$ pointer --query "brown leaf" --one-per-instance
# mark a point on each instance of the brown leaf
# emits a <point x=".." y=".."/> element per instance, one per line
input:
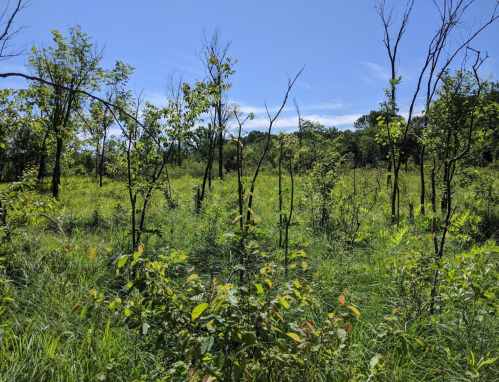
<point x="309" y="325"/>
<point x="341" y="299"/>
<point x="348" y="327"/>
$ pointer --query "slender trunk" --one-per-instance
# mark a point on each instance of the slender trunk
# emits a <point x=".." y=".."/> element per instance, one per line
<point x="133" y="200"/>
<point x="423" y="188"/>
<point x="433" y="187"/>
<point x="389" y="176"/>
<point x="280" y="198"/>
<point x="220" y="153"/>
<point x="394" y="194"/>
<point x="56" y="177"/>
<point x="102" y="161"/>
<point x="97" y="160"/>
<point x="239" y="176"/>
<point x="288" y="220"/>
<point x="398" y="205"/>
<point x="207" y="171"/>
<point x="443" y="202"/>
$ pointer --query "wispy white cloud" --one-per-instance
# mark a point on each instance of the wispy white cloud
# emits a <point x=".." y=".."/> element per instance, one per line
<point x="305" y="85"/>
<point x="246" y="108"/>
<point x="10" y="68"/>
<point x="291" y="123"/>
<point x="377" y="72"/>
<point x="157" y="99"/>
<point x="334" y="105"/>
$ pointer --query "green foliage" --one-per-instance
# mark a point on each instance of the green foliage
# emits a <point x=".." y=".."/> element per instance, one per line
<point x="18" y="206"/>
<point x="263" y="329"/>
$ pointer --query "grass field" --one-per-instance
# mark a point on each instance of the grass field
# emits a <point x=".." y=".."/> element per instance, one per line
<point x="386" y="274"/>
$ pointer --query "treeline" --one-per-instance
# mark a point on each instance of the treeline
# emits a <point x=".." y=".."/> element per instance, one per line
<point x="26" y="142"/>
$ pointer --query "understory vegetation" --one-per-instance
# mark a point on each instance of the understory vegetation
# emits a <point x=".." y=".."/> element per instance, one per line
<point x="148" y="243"/>
<point x="195" y="299"/>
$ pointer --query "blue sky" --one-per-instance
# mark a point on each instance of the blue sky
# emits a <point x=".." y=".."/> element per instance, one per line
<point x="339" y="40"/>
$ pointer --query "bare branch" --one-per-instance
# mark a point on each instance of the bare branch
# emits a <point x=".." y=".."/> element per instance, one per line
<point x="9" y="29"/>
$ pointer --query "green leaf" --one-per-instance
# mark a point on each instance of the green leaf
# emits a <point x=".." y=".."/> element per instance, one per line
<point x="284" y="303"/>
<point x="122" y="261"/>
<point x="487" y="362"/>
<point x="249" y="338"/>
<point x="145" y="328"/>
<point x="259" y="288"/>
<point x="206" y="345"/>
<point x="198" y="310"/>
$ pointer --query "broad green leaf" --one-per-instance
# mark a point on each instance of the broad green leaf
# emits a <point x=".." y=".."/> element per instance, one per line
<point x="198" y="310"/>
<point x="122" y="261"/>
<point x="249" y="338"/>
<point x="206" y="345"/>
<point x="259" y="288"/>
<point x="284" y="303"/>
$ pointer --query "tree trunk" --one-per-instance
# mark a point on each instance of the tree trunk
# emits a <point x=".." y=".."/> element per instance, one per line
<point x="97" y="160"/>
<point x="433" y="188"/>
<point x="444" y="201"/>
<point x="423" y="188"/>
<point x="394" y="194"/>
<point x="220" y="153"/>
<point x="101" y="169"/>
<point x="389" y="176"/>
<point x="56" y="177"/>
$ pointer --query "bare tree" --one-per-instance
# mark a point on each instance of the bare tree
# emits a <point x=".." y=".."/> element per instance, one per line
<point x="440" y="54"/>
<point x="9" y="28"/>
<point x="213" y="57"/>
<point x="174" y="82"/>
<point x="272" y="120"/>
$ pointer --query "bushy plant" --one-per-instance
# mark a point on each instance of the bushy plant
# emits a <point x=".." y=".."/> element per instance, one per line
<point x="265" y="328"/>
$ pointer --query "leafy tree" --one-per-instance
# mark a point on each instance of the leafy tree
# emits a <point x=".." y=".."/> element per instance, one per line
<point x="454" y="131"/>
<point x="74" y="64"/>
<point x="101" y="116"/>
<point x="147" y="145"/>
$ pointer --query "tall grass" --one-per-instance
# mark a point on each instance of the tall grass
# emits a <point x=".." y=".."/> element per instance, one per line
<point x="45" y="337"/>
